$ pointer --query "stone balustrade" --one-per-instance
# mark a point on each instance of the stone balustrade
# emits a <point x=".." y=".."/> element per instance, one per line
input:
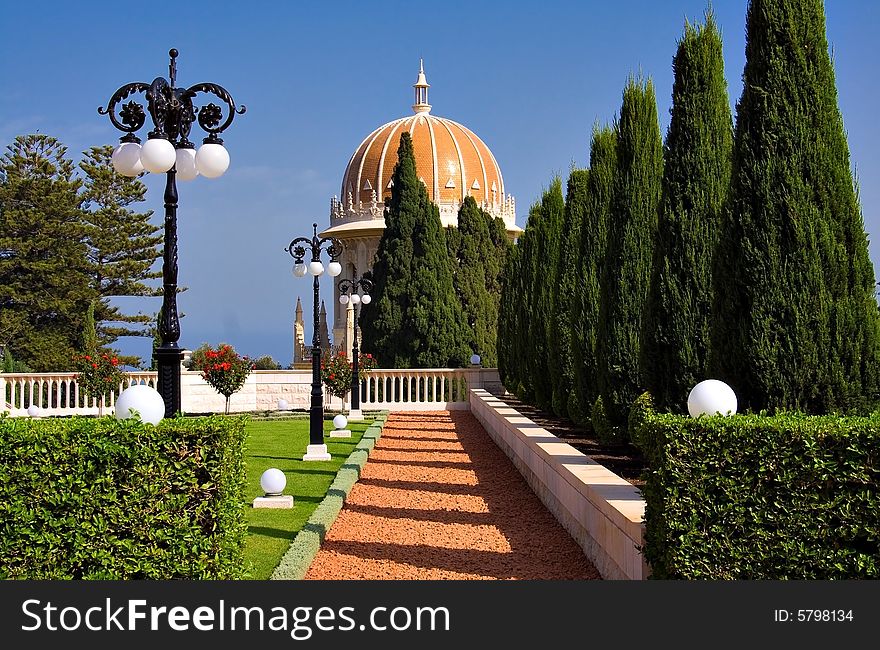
<point x="430" y="389"/>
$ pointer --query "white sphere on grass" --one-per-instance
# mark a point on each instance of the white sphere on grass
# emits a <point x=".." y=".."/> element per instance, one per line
<point x="212" y="160"/>
<point x="273" y="481"/>
<point x="158" y="155"/>
<point x="185" y="164"/>
<point x="126" y="159"/>
<point x="141" y="398"/>
<point x="33" y="411"/>
<point x="340" y="421"/>
<point x="711" y="397"/>
<point x="282" y="405"/>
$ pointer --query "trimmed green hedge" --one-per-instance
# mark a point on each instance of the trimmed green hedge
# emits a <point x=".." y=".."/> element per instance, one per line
<point x="97" y="498"/>
<point x="751" y="497"/>
<point x="307" y="543"/>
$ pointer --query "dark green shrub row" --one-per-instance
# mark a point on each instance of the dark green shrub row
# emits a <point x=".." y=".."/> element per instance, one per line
<point x="307" y="543"/>
<point x="97" y="498"/>
<point x="788" y="496"/>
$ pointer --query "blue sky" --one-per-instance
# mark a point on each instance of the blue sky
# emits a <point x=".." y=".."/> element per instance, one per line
<point x="530" y="79"/>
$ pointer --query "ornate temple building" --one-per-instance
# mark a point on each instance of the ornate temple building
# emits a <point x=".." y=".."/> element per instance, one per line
<point x="452" y="162"/>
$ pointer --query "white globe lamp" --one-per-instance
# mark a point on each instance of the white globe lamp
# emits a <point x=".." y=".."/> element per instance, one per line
<point x="185" y="164"/>
<point x="141" y="398"/>
<point x="316" y="268"/>
<point x="365" y="299"/>
<point x="475" y="359"/>
<point x="299" y="270"/>
<point x="212" y="160"/>
<point x="126" y="159"/>
<point x="711" y="397"/>
<point x="273" y="481"/>
<point x="355" y="299"/>
<point x="340" y="421"/>
<point x="158" y="155"/>
<point x="33" y="411"/>
<point x="343" y="299"/>
<point x="334" y="269"/>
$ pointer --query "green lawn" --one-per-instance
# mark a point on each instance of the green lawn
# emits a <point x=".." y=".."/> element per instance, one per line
<point x="282" y="444"/>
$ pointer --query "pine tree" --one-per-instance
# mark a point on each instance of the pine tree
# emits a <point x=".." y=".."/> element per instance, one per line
<point x="89" y="344"/>
<point x="696" y="180"/>
<point x="566" y="327"/>
<point x="594" y="238"/>
<point x="44" y="282"/>
<point x="627" y="271"/>
<point x="795" y="319"/>
<point x="414" y="320"/>
<point x="123" y="245"/>
<point x="477" y="260"/>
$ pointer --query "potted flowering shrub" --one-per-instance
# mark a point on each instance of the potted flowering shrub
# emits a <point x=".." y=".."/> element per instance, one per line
<point x="222" y="368"/>
<point x="98" y="376"/>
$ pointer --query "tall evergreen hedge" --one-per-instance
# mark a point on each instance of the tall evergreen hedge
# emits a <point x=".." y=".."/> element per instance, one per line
<point x="796" y="322"/>
<point x="696" y="180"/>
<point x="627" y="271"/>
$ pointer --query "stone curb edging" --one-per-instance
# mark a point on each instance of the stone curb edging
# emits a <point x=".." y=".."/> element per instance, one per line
<point x="603" y="512"/>
<point x="299" y="556"/>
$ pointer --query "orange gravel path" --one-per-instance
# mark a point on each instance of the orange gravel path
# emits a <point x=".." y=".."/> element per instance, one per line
<point x="438" y="499"/>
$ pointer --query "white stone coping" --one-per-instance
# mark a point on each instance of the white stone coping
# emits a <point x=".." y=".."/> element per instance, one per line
<point x="597" y="502"/>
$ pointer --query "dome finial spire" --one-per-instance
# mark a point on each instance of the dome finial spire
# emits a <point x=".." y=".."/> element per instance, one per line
<point x="421" y="87"/>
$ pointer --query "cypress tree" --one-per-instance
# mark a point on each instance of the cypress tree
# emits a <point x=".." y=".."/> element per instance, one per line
<point x="44" y="282"/>
<point x="519" y="298"/>
<point x="510" y="322"/>
<point x="627" y="272"/>
<point x="566" y="326"/>
<point x="594" y="238"/>
<point x="795" y="315"/>
<point x="546" y="220"/>
<point x="477" y="263"/>
<point x="696" y="180"/>
<point x="414" y="320"/>
<point x="123" y="245"/>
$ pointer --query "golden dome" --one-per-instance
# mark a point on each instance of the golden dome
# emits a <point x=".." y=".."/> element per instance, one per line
<point x="451" y="160"/>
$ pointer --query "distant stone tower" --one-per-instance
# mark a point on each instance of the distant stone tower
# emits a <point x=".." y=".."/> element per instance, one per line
<point x="299" y="335"/>
<point x="325" y="335"/>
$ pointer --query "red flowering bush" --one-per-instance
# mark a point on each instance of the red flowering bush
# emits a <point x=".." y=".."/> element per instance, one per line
<point x="98" y="375"/>
<point x="222" y="368"/>
<point x="336" y="374"/>
<point x="366" y="363"/>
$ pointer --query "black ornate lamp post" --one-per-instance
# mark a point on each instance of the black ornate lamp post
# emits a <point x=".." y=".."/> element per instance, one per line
<point x="317" y="449"/>
<point x="168" y="150"/>
<point x="348" y="290"/>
